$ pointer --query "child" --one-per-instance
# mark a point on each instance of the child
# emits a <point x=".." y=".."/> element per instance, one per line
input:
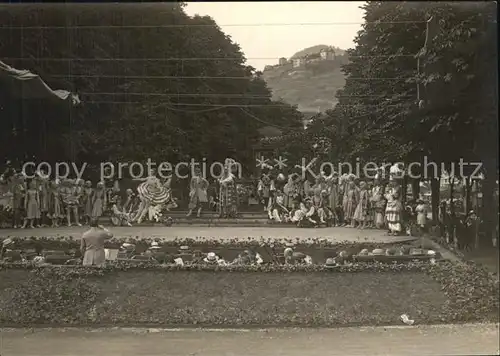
<point x="32" y="204"/>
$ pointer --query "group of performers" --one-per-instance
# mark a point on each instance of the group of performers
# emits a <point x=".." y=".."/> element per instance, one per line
<point x="332" y="200"/>
<point x="41" y="201"/>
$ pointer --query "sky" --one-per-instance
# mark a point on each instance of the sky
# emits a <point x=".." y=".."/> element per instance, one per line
<point x="264" y="44"/>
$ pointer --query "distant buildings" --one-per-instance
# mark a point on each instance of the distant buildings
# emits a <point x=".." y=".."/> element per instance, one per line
<point x="326" y="54"/>
<point x="298" y="62"/>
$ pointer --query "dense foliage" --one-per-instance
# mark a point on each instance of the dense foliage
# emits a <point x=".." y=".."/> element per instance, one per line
<point x="407" y="97"/>
<point x="151" y="71"/>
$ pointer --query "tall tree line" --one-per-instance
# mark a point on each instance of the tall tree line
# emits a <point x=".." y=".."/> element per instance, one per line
<point x="405" y="99"/>
<point x="146" y="119"/>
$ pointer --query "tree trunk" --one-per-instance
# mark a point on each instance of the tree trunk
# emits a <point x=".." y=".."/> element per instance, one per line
<point x="435" y="199"/>
<point x="467" y="195"/>
<point x="404" y="189"/>
<point x="489" y="210"/>
<point x="415" y="188"/>
<point x="452" y="200"/>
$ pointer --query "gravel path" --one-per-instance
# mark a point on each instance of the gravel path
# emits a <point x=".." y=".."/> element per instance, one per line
<point x="478" y="339"/>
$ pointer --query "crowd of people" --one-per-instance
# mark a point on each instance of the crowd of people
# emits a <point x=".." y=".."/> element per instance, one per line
<point x="328" y="200"/>
<point x="336" y="200"/>
<point x="44" y="201"/>
<point x="41" y="201"/>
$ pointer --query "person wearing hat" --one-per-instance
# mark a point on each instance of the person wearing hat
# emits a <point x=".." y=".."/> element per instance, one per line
<point x="92" y="244"/>
<point x="394" y="208"/>
<point x="279" y="212"/>
<point x="292" y="257"/>
<point x="422" y="210"/>
<point x="211" y="258"/>
<point x="5" y="243"/>
<point x="228" y="192"/>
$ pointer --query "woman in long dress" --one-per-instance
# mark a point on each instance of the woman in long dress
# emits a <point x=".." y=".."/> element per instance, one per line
<point x="291" y="192"/>
<point x="88" y="193"/>
<point x="32" y="204"/>
<point x="378" y="204"/>
<point x="361" y="213"/>
<point x="228" y="193"/>
<point x="394" y="208"/>
<point x="98" y="201"/>
<point x="18" y="194"/>
<point x="350" y="203"/>
<point x="198" y="193"/>
<point x="333" y="196"/>
<point x="55" y="203"/>
<point x="265" y="189"/>
<point x="151" y="193"/>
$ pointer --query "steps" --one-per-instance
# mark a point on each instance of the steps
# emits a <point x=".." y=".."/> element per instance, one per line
<point x="211" y="219"/>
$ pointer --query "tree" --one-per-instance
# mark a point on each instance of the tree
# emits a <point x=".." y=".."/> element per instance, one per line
<point x="388" y="117"/>
<point x="148" y="92"/>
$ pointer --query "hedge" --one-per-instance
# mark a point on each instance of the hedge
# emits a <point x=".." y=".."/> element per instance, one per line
<point x="69" y="242"/>
<point x="271" y="295"/>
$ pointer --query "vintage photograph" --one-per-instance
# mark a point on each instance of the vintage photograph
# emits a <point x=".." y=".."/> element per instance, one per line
<point x="249" y="178"/>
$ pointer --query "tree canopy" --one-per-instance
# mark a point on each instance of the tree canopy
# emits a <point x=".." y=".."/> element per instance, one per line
<point x="154" y="83"/>
<point x="421" y="81"/>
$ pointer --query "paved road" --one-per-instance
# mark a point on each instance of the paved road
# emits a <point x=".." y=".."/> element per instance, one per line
<point x="334" y="233"/>
<point x="424" y="340"/>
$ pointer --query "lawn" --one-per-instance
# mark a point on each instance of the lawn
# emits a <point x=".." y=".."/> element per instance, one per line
<point x="222" y="298"/>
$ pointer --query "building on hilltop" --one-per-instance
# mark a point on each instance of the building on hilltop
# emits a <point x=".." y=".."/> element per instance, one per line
<point x="283" y="61"/>
<point x="298" y="62"/>
<point x="315" y="57"/>
<point x="327" y="54"/>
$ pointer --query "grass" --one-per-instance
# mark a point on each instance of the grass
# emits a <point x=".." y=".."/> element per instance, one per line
<point x="229" y="299"/>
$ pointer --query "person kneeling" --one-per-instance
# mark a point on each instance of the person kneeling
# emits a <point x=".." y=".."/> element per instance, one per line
<point x="279" y="212"/>
<point x="306" y="215"/>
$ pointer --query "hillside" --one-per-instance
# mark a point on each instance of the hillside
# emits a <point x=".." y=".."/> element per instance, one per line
<point x="310" y="84"/>
<point x="315" y="49"/>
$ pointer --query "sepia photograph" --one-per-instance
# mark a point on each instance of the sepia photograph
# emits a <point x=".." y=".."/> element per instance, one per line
<point x="249" y="178"/>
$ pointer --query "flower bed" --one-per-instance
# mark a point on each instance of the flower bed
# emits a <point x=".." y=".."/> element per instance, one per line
<point x="356" y="294"/>
<point x="270" y="250"/>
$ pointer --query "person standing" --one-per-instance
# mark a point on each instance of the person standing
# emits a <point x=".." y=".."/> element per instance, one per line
<point x="198" y="193"/>
<point x="394" y="208"/>
<point x="92" y="244"/>
<point x="228" y="192"/>
<point x="32" y="205"/>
